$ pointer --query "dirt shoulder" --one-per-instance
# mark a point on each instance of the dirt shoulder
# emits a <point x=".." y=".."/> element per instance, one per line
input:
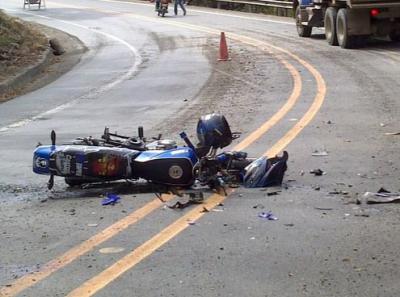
<point x="27" y="61"/>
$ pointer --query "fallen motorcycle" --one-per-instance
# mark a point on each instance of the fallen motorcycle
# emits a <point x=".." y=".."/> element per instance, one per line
<point x="159" y="161"/>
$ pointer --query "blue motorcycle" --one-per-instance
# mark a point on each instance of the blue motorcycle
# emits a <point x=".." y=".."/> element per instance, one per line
<point x="159" y="161"/>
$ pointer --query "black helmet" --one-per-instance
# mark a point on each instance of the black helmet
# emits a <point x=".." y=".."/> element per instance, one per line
<point x="213" y="131"/>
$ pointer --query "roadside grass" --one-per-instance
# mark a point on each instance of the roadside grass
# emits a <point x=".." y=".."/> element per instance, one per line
<point x="21" y="45"/>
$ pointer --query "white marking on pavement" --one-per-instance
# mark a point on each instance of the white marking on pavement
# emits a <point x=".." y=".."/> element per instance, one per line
<point x="91" y="93"/>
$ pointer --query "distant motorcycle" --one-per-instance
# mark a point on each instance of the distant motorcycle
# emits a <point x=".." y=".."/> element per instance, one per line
<point x="159" y="161"/>
<point x="162" y="8"/>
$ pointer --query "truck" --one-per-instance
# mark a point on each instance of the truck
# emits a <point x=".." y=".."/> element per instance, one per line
<point x="348" y="23"/>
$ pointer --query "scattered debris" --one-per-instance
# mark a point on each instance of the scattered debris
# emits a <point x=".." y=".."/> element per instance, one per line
<point x="92" y="225"/>
<point x="111" y="250"/>
<point x="204" y="210"/>
<point x="340" y="192"/>
<point x="111" y="199"/>
<point x="217" y="210"/>
<point x="183" y="204"/>
<point x="273" y="193"/>
<point x="260" y="206"/>
<point x="381" y="197"/>
<point x="392" y="133"/>
<point x="383" y="190"/>
<point x="317" y="153"/>
<point x="289" y="225"/>
<point x="180" y="205"/>
<point x="323" y="208"/>
<point x="267" y="215"/>
<point x="317" y="172"/>
<point x="362" y="215"/>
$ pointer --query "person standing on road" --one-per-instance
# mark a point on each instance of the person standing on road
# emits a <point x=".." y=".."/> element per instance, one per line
<point x="180" y="2"/>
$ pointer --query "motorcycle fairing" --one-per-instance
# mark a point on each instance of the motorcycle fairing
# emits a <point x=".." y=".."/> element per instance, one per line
<point x="84" y="161"/>
<point x="41" y="159"/>
<point x="171" y="167"/>
<point x="265" y="172"/>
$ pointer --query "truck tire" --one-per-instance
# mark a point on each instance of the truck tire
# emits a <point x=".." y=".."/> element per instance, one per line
<point x="330" y="26"/>
<point x="303" y="31"/>
<point x="342" y="31"/>
<point x="394" y="36"/>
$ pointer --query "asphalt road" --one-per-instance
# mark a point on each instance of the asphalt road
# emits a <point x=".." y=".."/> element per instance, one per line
<point x="297" y="94"/>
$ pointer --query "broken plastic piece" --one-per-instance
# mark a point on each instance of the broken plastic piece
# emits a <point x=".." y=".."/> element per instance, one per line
<point x="373" y="198"/>
<point x="317" y="172"/>
<point x="319" y="153"/>
<point x="111" y="199"/>
<point x="267" y="215"/>
<point x="266" y="172"/>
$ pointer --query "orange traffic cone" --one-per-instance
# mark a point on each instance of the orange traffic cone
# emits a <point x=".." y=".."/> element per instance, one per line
<point x="223" y="49"/>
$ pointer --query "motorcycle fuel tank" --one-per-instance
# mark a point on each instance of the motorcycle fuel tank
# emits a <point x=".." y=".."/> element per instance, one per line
<point x="171" y="167"/>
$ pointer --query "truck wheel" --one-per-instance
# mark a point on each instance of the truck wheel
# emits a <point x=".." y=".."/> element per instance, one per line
<point x="330" y="26"/>
<point x="303" y="31"/>
<point x="344" y="39"/>
<point x="394" y="36"/>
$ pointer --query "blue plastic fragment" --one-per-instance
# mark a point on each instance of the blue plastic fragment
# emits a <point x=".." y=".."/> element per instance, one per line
<point x="111" y="199"/>
<point x="267" y="215"/>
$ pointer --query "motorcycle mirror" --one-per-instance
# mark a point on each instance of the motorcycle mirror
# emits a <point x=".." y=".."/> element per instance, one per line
<point x="50" y="183"/>
<point x="53" y="137"/>
<point x="140" y="132"/>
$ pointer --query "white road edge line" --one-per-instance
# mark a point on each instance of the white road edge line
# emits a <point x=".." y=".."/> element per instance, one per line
<point x="210" y="12"/>
<point x="102" y="89"/>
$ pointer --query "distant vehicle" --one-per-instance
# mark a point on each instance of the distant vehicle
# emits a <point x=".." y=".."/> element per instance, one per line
<point x="163" y="7"/>
<point x="348" y="23"/>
